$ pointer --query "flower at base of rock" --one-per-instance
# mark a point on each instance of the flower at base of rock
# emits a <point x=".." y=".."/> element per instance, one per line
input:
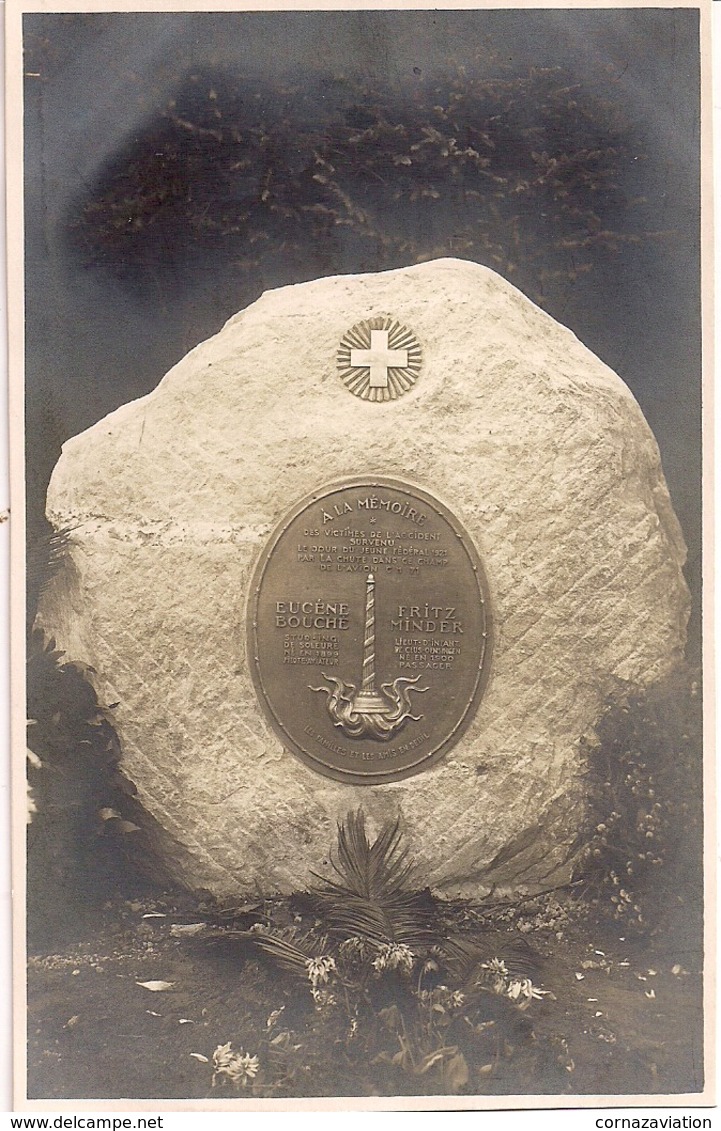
<point x="394" y="956"/>
<point x="444" y="997"/>
<point x="496" y="966"/>
<point x="319" y="969"/>
<point x="497" y="974"/>
<point x="523" y="991"/>
<point x="237" y="1067"/>
<point x="322" y="998"/>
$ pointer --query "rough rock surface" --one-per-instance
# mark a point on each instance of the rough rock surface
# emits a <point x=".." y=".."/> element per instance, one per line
<point x="544" y="456"/>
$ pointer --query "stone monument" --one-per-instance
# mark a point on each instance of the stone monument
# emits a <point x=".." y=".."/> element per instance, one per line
<point x="387" y="541"/>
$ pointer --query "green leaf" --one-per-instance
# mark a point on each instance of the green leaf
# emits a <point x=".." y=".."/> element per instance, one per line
<point x="455" y="1073"/>
<point x="391" y="1018"/>
<point x="288" y="948"/>
<point x="434" y="1058"/>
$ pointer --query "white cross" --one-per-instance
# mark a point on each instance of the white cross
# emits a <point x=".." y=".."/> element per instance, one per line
<point x="380" y="359"/>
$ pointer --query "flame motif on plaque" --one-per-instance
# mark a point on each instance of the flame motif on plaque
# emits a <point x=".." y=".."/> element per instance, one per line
<point x="366" y="713"/>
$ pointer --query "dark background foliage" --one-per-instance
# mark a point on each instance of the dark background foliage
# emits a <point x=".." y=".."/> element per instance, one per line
<point x="643" y="833"/>
<point x="179" y="164"/>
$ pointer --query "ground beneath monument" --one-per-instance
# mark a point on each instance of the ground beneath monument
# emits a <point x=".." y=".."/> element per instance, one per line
<point x="137" y="1005"/>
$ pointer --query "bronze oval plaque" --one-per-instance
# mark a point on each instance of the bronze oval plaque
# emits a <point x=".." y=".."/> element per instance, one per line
<point x="369" y="630"/>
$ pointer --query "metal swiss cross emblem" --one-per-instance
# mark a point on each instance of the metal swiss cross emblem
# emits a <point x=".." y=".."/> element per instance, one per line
<point x="379" y="359"/>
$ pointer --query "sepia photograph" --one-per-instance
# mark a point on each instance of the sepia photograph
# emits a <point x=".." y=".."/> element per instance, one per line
<point x="359" y="400"/>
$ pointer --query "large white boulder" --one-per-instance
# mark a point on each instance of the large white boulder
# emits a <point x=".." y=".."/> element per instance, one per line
<point x="548" y="464"/>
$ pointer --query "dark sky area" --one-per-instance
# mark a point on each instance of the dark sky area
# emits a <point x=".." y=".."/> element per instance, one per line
<point x="206" y="128"/>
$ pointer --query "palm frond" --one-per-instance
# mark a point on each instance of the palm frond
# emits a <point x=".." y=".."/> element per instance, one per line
<point x="372" y="896"/>
<point x="43" y="650"/>
<point x="464" y="957"/>
<point x="44" y="558"/>
<point x="288" y="948"/>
